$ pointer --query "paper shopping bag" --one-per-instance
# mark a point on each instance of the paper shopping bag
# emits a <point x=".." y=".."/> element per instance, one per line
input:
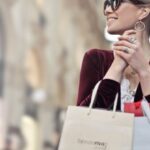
<point x="142" y="129"/>
<point x="95" y="129"/>
<point x="141" y="134"/>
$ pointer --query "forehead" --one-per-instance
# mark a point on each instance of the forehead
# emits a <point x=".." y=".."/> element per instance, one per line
<point x="114" y="0"/>
<point x="117" y="3"/>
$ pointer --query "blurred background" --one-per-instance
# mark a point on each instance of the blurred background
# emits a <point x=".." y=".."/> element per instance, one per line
<point x="42" y="43"/>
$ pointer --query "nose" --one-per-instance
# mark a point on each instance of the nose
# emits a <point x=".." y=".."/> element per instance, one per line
<point x="108" y="10"/>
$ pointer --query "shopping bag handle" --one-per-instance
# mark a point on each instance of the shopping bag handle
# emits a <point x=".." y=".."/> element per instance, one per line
<point x="93" y="98"/>
<point x="146" y="108"/>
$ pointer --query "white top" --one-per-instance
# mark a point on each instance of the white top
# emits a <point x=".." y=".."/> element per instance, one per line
<point x="126" y="94"/>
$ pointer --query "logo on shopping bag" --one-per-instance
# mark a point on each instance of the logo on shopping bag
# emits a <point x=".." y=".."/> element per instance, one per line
<point x="97" y="145"/>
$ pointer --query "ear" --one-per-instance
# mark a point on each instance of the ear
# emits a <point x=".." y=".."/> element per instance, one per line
<point x="145" y="12"/>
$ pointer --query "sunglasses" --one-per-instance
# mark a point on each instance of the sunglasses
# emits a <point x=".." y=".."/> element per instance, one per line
<point x="116" y="3"/>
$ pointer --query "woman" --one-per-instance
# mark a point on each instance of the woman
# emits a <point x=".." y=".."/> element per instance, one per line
<point x="126" y="69"/>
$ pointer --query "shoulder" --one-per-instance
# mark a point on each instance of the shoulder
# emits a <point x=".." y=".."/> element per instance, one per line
<point x="105" y="56"/>
<point x="99" y="52"/>
<point x="97" y="60"/>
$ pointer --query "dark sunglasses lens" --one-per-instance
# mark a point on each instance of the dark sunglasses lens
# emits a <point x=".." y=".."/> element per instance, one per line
<point x="113" y="3"/>
<point x="106" y="4"/>
<point x="116" y="4"/>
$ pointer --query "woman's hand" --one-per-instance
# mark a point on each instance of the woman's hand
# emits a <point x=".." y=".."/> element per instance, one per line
<point x="119" y="60"/>
<point x="119" y="64"/>
<point x="130" y="49"/>
<point x="136" y="55"/>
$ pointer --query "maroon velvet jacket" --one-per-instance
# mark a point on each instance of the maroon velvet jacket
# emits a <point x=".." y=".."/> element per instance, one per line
<point x="94" y="67"/>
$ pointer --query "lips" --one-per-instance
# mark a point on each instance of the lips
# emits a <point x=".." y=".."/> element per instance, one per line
<point x="111" y="19"/>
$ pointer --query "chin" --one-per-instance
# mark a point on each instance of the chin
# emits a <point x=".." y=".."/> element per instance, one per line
<point x="119" y="32"/>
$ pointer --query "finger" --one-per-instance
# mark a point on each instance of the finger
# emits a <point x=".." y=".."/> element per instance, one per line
<point x="129" y="32"/>
<point x="126" y="44"/>
<point x="123" y="49"/>
<point x="124" y="37"/>
<point x="130" y="39"/>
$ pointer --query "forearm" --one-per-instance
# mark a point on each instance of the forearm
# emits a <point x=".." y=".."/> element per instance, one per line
<point x="105" y="95"/>
<point x="115" y="72"/>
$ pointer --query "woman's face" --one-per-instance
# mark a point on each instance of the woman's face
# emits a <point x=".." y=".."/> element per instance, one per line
<point x="124" y="18"/>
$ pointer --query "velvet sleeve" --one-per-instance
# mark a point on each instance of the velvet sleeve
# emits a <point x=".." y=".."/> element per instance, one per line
<point x="93" y="69"/>
<point x="147" y="98"/>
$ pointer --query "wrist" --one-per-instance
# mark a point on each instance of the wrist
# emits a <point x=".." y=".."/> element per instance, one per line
<point x="118" y="67"/>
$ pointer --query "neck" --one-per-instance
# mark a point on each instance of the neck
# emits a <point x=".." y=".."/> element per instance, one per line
<point x="145" y="43"/>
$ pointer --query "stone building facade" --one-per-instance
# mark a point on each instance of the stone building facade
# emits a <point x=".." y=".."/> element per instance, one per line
<point x="42" y="44"/>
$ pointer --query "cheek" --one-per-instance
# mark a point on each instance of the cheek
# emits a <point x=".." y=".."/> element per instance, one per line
<point x="127" y="15"/>
<point x="127" y="20"/>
